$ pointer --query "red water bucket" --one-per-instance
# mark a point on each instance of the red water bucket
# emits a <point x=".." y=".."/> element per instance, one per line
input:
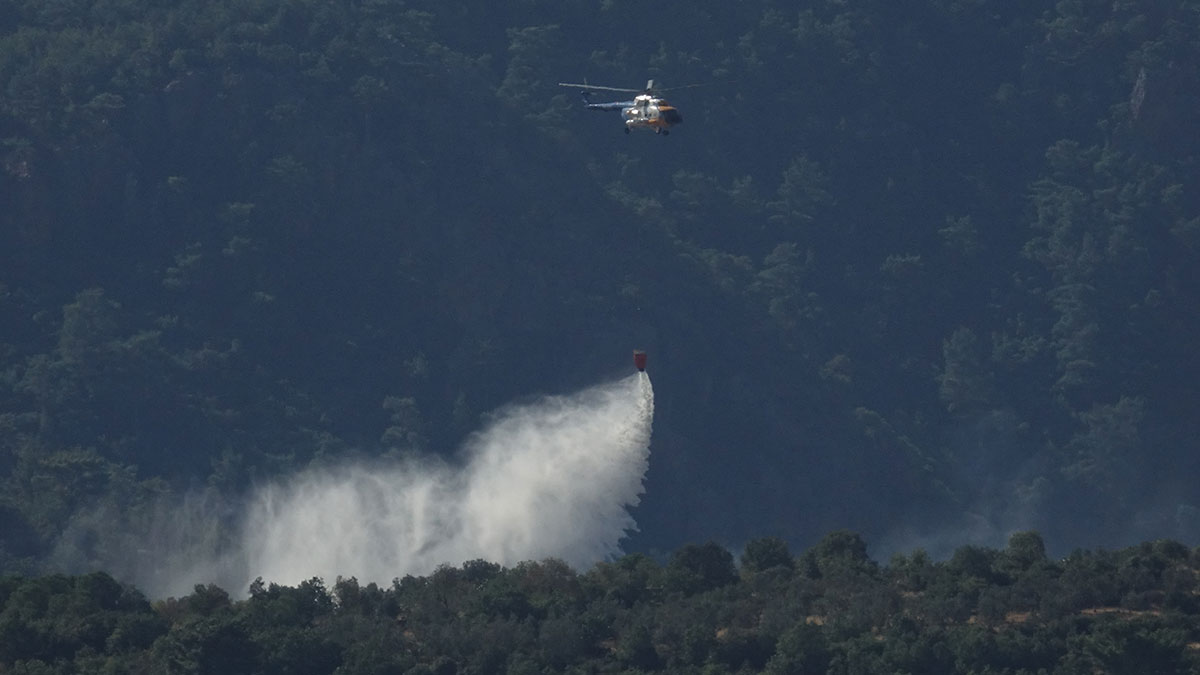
<point x="639" y="359"/>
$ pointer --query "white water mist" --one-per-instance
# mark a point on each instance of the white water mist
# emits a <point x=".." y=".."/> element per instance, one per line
<point x="553" y="478"/>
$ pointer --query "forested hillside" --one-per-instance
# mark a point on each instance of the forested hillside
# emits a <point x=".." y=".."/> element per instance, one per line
<point x="922" y="270"/>
<point x="830" y="610"/>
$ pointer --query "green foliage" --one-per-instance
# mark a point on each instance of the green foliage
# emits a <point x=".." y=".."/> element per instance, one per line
<point x="240" y="238"/>
<point x="766" y="553"/>
<point x="776" y="623"/>
<point x="699" y="568"/>
<point x="60" y="620"/>
<point x="839" y="553"/>
<point x="964" y="382"/>
<point x="629" y="580"/>
<point x="802" y="649"/>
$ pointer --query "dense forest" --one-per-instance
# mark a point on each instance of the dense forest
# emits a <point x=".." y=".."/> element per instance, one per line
<point x="830" y="610"/>
<point x="918" y="270"/>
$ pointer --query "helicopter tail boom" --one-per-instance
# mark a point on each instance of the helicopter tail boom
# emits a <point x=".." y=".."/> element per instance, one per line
<point x="608" y="106"/>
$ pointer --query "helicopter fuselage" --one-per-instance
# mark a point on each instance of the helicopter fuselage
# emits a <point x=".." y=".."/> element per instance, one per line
<point x="651" y="112"/>
<point x="647" y="110"/>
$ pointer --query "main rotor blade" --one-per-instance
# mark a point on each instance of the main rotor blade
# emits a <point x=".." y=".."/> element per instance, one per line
<point x="598" y="88"/>
<point x="693" y="86"/>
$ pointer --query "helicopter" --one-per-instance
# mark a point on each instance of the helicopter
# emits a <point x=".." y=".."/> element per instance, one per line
<point x="647" y="110"/>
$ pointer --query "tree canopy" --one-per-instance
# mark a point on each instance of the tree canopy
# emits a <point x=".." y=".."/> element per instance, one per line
<point x="1037" y="616"/>
<point x="909" y="269"/>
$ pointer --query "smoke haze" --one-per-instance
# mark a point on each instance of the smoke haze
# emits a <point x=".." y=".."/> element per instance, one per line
<point x="552" y="478"/>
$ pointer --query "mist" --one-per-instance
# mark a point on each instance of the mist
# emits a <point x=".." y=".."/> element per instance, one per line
<point x="551" y="478"/>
